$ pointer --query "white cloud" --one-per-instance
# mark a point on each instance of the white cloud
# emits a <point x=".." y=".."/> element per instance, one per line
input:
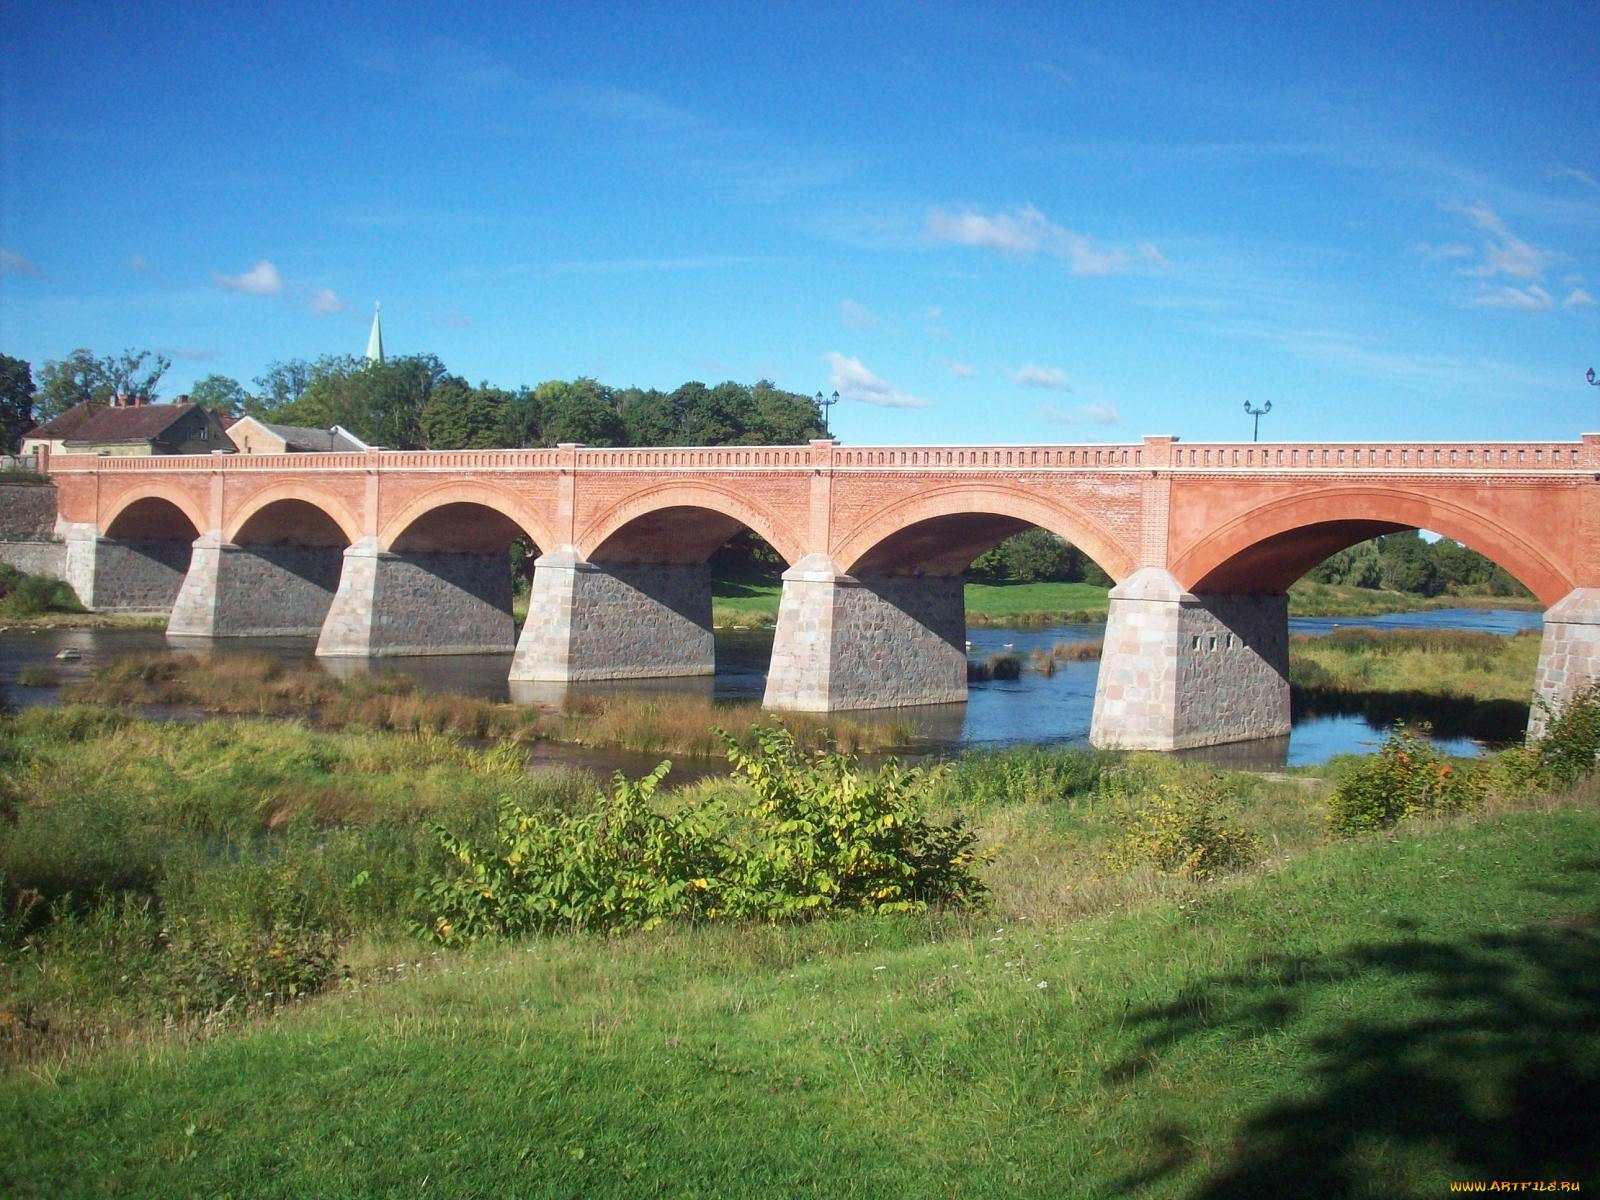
<point x="325" y="301"/>
<point x="858" y="316"/>
<point x="1529" y="299"/>
<point x="15" y="264"/>
<point x="1034" y="376"/>
<point x="1504" y="253"/>
<point x="1577" y="176"/>
<point x="194" y="353"/>
<point x="853" y="381"/>
<point x="1084" y="414"/>
<point x="1023" y="233"/>
<point x="960" y="370"/>
<point x="1578" y="298"/>
<point x="260" y="280"/>
<point x="1027" y="231"/>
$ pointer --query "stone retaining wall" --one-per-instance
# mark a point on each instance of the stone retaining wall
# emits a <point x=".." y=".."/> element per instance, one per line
<point x="1569" y="654"/>
<point x="27" y="512"/>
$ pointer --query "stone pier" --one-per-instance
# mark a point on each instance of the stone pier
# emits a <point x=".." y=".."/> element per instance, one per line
<point x="116" y="575"/>
<point x="1569" y="654"/>
<point x="877" y="641"/>
<point x="590" y="621"/>
<point x="419" y="602"/>
<point x="1181" y="670"/>
<point x="255" y="590"/>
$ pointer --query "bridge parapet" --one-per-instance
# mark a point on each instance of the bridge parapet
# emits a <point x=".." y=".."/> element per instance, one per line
<point x="1392" y="456"/>
<point x="1154" y="453"/>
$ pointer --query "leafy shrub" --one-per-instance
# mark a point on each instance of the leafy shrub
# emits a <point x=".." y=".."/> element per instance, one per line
<point x="1564" y="754"/>
<point x="211" y="966"/>
<point x="828" y="835"/>
<point x="808" y="834"/>
<point x="32" y="595"/>
<point x="1407" y="777"/>
<point x="1188" y="829"/>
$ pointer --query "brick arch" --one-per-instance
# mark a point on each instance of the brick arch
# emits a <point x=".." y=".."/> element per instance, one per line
<point x="1014" y="505"/>
<point x="176" y="497"/>
<point x="504" y="501"/>
<point x="331" y="505"/>
<point x="725" y="502"/>
<point x="1270" y="546"/>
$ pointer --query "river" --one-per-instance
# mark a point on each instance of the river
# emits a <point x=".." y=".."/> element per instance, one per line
<point x="1041" y="709"/>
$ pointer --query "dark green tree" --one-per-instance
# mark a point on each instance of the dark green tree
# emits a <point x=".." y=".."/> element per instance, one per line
<point x="580" y="411"/>
<point x="68" y="382"/>
<point x="458" y="417"/>
<point x="220" y="394"/>
<point x="135" y="374"/>
<point x="16" y="400"/>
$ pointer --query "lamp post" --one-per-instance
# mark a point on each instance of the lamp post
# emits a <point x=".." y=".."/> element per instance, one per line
<point x="1257" y="413"/>
<point x="1593" y="382"/>
<point x="823" y="405"/>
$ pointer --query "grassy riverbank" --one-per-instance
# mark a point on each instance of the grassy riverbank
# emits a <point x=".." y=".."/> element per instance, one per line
<point x="1375" y="1017"/>
<point x="754" y="604"/>
<point x="259" y="685"/>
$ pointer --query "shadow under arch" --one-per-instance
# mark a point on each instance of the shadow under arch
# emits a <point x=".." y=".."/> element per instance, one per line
<point x="682" y="522"/>
<point x="412" y="523"/>
<point x="1265" y="549"/>
<point x="940" y="532"/>
<point x="331" y="506"/>
<point x="143" y="512"/>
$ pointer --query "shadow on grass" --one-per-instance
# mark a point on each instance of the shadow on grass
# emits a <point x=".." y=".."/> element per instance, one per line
<point x="1489" y="1066"/>
<point x="1496" y="721"/>
<point x="735" y="589"/>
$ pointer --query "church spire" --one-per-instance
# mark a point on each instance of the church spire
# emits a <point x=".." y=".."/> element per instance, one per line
<point x="375" y="338"/>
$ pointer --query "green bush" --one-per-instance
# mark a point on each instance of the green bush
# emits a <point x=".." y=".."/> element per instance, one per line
<point x="1190" y="830"/>
<point x="1566" y="753"/>
<point x="1406" y="778"/>
<point x="31" y="595"/>
<point x="807" y="834"/>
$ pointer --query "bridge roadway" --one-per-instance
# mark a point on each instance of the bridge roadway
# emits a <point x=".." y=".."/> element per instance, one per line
<point x="405" y="553"/>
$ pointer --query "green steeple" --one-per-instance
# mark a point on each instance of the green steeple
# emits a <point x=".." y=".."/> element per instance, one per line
<point x="375" y="338"/>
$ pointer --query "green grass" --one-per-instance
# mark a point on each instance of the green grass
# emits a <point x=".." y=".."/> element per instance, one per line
<point x="1373" y="1019"/>
<point x="755" y="602"/>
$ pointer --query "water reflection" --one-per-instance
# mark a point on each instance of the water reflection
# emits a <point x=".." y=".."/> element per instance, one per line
<point x="1035" y="709"/>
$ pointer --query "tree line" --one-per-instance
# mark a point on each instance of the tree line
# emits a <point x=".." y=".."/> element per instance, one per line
<point x="415" y="403"/>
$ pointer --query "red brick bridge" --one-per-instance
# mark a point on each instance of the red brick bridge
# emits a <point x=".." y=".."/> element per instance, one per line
<point x="405" y="553"/>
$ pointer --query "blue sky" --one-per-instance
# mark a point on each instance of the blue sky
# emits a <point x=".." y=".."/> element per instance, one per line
<point x="1030" y="223"/>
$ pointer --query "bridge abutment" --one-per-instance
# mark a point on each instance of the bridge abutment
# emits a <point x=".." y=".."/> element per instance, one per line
<point x="589" y="621"/>
<point x="1181" y="670"/>
<point x="113" y="575"/>
<point x="1569" y="655"/>
<point x="418" y="602"/>
<point x="877" y="641"/>
<point x="255" y="591"/>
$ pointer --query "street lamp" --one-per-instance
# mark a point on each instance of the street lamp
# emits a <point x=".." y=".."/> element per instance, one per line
<point x="1257" y="414"/>
<point x="1593" y="382"/>
<point x="823" y="405"/>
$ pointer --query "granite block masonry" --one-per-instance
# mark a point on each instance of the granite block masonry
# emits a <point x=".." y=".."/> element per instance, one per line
<point x="1180" y="670"/>
<point x="419" y="603"/>
<point x="123" y="576"/>
<point x="255" y="591"/>
<point x="590" y="621"/>
<point x="1569" y="655"/>
<point x="878" y="641"/>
